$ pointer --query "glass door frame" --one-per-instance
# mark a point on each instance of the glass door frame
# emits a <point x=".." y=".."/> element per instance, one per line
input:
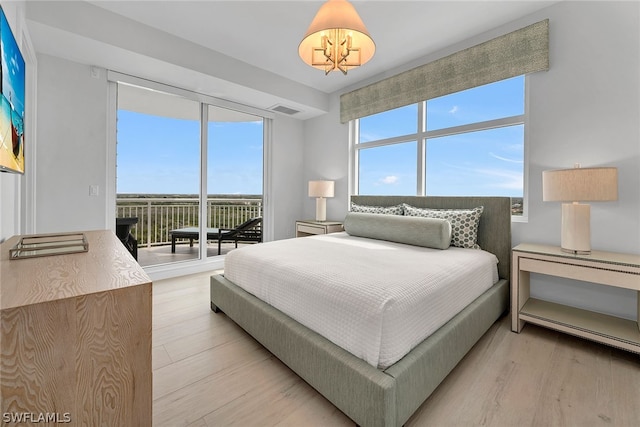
<point x="203" y="263"/>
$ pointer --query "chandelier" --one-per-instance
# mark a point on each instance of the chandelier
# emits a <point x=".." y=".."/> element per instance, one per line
<point x="336" y="39"/>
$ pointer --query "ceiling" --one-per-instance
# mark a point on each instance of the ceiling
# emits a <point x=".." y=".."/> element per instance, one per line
<point x="265" y="34"/>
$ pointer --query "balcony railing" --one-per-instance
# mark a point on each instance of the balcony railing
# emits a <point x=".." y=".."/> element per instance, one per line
<point x="157" y="216"/>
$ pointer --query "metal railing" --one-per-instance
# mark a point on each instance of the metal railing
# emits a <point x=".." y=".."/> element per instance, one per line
<point x="157" y="216"/>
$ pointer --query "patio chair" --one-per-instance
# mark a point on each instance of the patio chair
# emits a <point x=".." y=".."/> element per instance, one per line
<point x="248" y="231"/>
<point x="123" y="231"/>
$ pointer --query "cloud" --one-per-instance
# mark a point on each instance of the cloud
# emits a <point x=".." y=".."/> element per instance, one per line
<point x="513" y="148"/>
<point x="505" y="159"/>
<point x="390" y="179"/>
<point x="14" y="65"/>
<point x="485" y="177"/>
<point x="454" y="109"/>
<point x="505" y="178"/>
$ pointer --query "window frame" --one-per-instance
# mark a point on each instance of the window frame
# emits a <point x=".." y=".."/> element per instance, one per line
<point x="422" y="136"/>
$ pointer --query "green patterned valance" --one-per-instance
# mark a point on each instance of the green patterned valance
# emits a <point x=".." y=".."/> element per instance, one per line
<point x="520" y="52"/>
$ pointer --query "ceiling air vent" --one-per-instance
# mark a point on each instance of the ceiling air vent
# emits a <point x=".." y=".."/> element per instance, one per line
<point x="284" y="110"/>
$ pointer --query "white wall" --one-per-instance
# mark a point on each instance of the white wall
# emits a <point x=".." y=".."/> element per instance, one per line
<point x="585" y="109"/>
<point x="326" y="154"/>
<point x="71" y="156"/>
<point x="287" y="175"/>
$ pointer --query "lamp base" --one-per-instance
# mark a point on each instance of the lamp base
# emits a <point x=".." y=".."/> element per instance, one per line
<point x="575" y="252"/>
<point x="321" y="209"/>
<point x="576" y="229"/>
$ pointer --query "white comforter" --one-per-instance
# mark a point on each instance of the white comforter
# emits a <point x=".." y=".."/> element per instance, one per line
<point x="375" y="299"/>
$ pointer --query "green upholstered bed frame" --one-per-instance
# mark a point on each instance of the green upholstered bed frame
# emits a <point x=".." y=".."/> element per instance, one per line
<point x="369" y="396"/>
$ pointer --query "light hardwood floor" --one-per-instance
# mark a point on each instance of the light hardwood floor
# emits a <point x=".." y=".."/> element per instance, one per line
<point x="162" y="254"/>
<point x="208" y="372"/>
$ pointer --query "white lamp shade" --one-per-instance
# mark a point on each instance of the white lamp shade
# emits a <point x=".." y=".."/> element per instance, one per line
<point x="580" y="185"/>
<point x="321" y="188"/>
<point x="336" y="14"/>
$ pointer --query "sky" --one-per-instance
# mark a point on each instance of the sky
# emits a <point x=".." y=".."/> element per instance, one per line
<point x="13" y="74"/>
<point x="158" y="155"/>
<point x="12" y="99"/>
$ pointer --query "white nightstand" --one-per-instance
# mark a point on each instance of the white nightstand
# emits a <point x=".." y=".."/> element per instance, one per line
<point x="311" y="227"/>
<point x="605" y="268"/>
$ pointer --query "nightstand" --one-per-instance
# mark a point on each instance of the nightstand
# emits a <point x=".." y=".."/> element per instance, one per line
<point x="311" y="227"/>
<point x="604" y="268"/>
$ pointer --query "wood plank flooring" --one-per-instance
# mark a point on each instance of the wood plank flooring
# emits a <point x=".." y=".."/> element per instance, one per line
<point x="208" y="372"/>
<point x="156" y="255"/>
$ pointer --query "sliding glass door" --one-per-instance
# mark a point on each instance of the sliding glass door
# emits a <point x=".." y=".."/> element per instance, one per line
<point x="158" y="173"/>
<point x="234" y="177"/>
<point x="172" y="151"/>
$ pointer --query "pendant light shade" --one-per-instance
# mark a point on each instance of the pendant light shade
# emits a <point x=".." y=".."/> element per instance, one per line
<point x="336" y="39"/>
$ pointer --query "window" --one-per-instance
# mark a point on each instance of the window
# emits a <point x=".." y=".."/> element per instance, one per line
<point x="469" y="143"/>
<point x="388" y="169"/>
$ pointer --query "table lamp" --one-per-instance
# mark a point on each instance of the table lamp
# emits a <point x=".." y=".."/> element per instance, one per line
<point x="321" y="190"/>
<point x="574" y="186"/>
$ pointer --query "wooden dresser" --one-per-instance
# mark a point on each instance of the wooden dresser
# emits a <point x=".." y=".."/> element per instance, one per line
<point x="75" y="337"/>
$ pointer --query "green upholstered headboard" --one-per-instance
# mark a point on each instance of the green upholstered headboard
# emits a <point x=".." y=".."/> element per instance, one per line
<point x="494" y="230"/>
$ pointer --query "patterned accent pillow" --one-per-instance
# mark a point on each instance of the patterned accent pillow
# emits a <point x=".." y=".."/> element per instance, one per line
<point x="464" y="223"/>
<point x="389" y="210"/>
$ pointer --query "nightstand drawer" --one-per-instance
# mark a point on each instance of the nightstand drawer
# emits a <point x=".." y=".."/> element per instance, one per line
<point x="599" y="275"/>
<point x="309" y="229"/>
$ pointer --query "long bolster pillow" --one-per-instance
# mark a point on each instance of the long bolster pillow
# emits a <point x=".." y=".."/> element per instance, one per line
<point x="412" y="230"/>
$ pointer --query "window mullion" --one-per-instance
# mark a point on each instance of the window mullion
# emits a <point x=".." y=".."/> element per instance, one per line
<point x="203" y="218"/>
<point x="421" y="143"/>
<point x="473" y="127"/>
<point x="354" y="135"/>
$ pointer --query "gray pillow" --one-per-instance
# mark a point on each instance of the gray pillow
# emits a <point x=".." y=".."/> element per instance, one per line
<point x="427" y="232"/>
<point x="464" y="223"/>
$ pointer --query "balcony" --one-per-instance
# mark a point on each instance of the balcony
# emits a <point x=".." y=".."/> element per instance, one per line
<point x="158" y="215"/>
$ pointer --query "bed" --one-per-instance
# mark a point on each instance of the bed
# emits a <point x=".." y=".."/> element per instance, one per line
<point x="369" y="395"/>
